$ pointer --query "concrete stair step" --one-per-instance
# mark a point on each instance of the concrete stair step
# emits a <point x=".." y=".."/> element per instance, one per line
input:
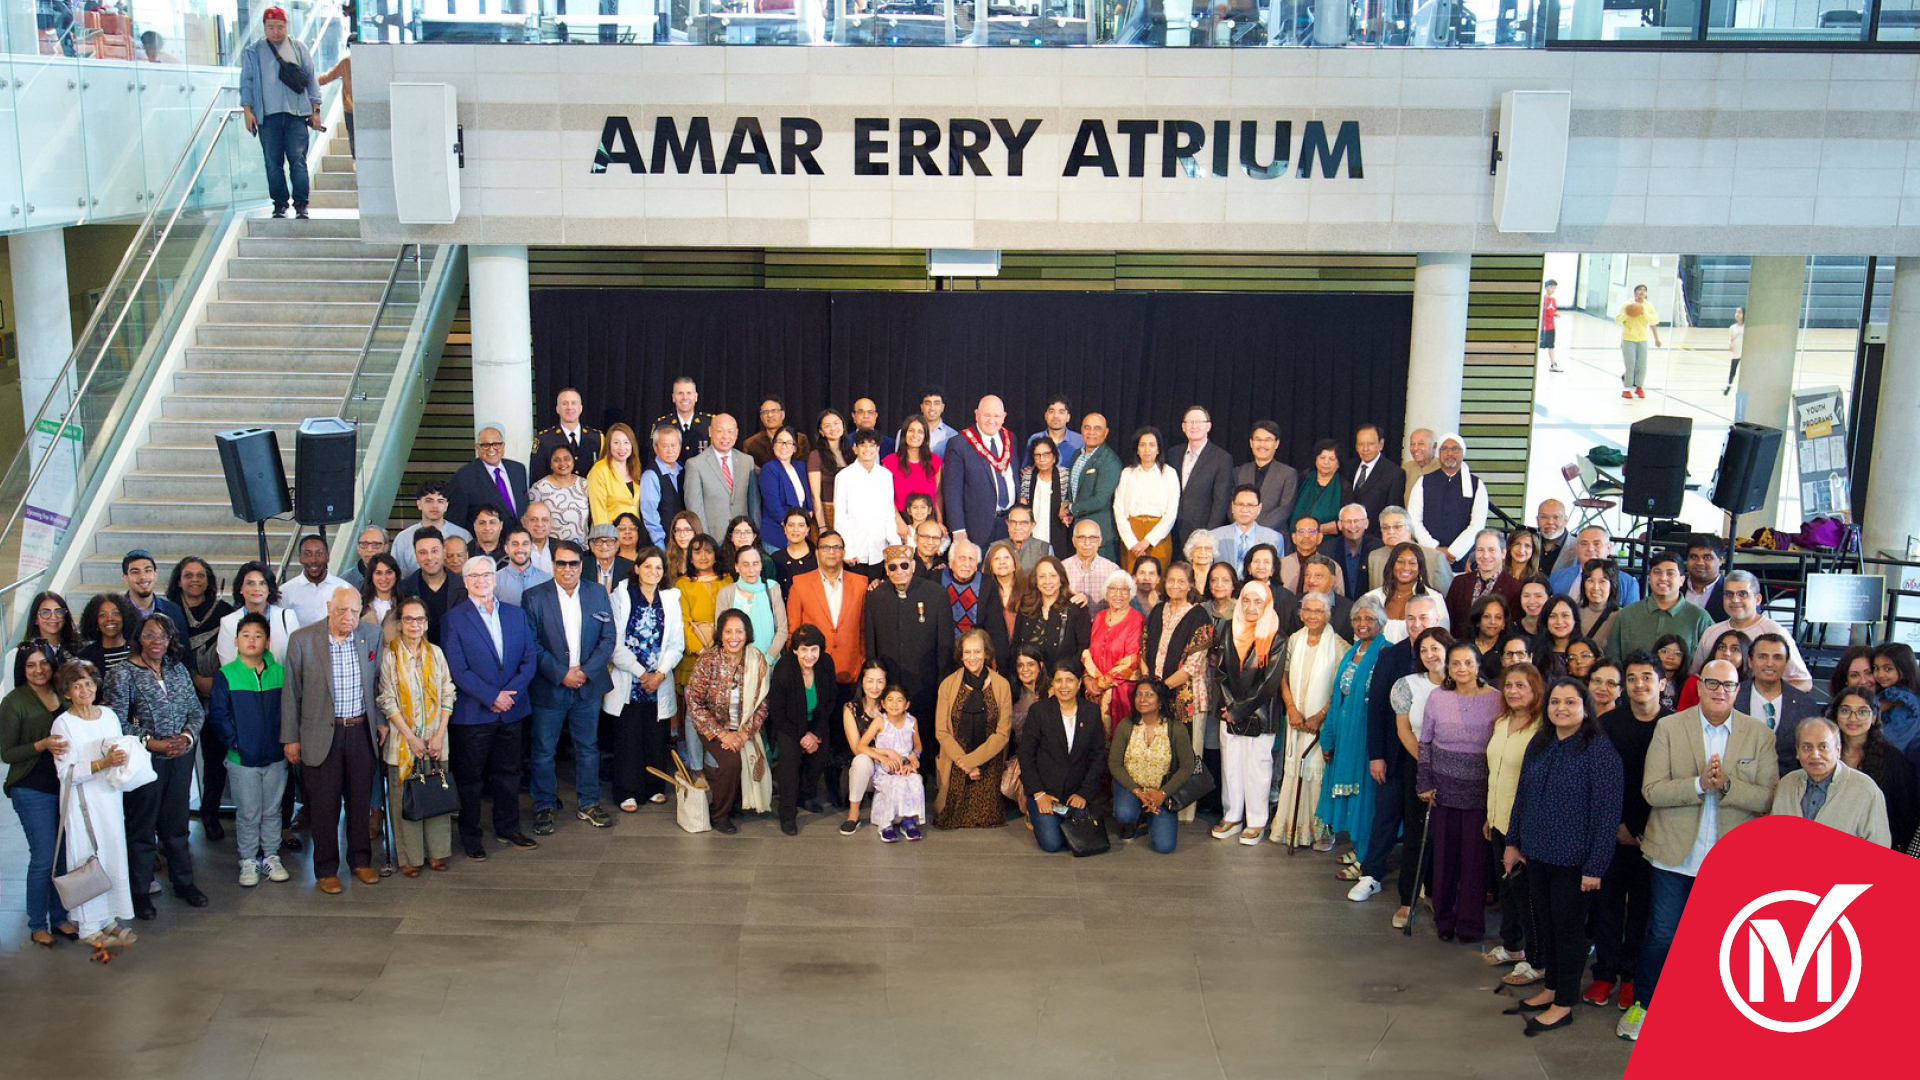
<point x="312" y="228"/>
<point x="307" y="312"/>
<point x="298" y="337"/>
<point x="321" y="247"/>
<point x="366" y="268"/>
<point x="182" y="516"/>
<point x="184" y="485"/>
<point x="199" y="455"/>
<point x="236" y="541"/>
<point x="335" y="200"/>
<point x="254" y="385"/>
<point x="335" y="181"/>
<point x="309" y="292"/>
<point x="321" y="361"/>
<point x="296" y="402"/>
<point x="341" y="162"/>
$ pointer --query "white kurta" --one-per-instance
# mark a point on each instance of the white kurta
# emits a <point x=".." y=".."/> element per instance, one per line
<point x="103" y="804"/>
<point x="1310" y="674"/>
<point x="863" y="512"/>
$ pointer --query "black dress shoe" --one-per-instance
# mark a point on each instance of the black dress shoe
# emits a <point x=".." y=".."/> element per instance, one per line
<point x="725" y="825"/>
<point x="193" y="896"/>
<point x="791" y="828"/>
<point x="520" y="840"/>
<point x="1535" y="1027"/>
<point x="210" y="824"/>
<point x="477" y="854"/>
<point x="290" y="842"/>
<point x="1521" y="1008"/>
<point x="814" y="806"/>
<point x="144" y="910"/>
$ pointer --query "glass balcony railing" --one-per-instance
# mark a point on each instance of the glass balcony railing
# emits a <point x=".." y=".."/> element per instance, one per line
<point x="97" y="106"/>
<point x="1167" y="23"/>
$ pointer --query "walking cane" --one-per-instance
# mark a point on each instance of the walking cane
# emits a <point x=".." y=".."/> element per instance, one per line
<point x="386" y="821"/>
<point x="1426" y="834"/>
<point x="1299" y="792"/>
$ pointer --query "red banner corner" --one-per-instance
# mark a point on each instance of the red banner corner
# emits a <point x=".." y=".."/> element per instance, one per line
<point x="1796" y="942"/>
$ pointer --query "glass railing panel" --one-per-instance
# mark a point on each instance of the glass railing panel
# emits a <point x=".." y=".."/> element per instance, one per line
<point x="13" y="196"/>
<point x="48" y="118"/>
<point x="1899" y="20"/>
<point x="168" y="112"/>
<point x="111" y="108"/>
<point x="1823" y="21"/>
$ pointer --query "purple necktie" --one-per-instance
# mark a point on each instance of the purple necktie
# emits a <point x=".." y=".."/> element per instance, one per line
<point x="500" y="481"/>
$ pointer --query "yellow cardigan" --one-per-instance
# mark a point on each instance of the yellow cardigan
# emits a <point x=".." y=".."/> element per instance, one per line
<point x="607" y="497"/>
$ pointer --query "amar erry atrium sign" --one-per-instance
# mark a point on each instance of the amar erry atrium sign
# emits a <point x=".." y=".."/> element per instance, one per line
<point x="994" y="146"/>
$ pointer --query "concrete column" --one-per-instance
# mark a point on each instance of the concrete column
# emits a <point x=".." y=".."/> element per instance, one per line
<point x="1776" y="298"/>
<point x="43" y="315"/>
<point x="502" y="343"/>
<point x="1893" y="487"/>
<point x="1437" y="352"/>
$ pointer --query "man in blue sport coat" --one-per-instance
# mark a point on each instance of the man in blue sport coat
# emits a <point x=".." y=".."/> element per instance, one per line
<point x="490" y="655"/>
<point x="573" y="635"/>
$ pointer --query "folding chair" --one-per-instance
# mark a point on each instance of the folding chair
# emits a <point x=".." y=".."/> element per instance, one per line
<point x="1587" y="503"/>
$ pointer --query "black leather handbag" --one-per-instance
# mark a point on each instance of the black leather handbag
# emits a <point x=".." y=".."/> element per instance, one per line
<point x="428" y="793"/>
<point x="1086" y="833"/>
<point x="1199" y="785"/>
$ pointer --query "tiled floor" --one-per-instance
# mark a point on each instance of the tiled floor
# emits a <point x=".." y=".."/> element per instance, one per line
<point x="642" y="951"/>
<point x="1580" y="407"/>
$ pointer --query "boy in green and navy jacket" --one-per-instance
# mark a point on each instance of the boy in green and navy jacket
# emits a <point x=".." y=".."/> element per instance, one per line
<point x="245" y="709"/>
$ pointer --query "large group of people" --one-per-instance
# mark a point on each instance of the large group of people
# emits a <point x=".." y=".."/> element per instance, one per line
<point x="975" y="629"/>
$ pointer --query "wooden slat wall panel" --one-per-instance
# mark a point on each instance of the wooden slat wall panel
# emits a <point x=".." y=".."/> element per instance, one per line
<point x="1496" y="399"/>
<point x="1496" y="407"/>
<point x="445" y="440"/>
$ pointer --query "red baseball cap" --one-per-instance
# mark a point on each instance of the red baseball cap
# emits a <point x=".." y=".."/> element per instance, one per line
<point x="274" y="13"/>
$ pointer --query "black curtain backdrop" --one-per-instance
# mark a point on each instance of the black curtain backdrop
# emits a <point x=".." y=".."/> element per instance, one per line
<point x="1318" y="364"/>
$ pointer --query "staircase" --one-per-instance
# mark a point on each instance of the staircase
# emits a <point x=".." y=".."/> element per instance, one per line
<point x="277" y="345"/>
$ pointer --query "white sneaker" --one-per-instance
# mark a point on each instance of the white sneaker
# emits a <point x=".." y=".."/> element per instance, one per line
<point x="1363" y="889"/>
<point x="153" y="887"/>
<point x="1629" y="1026"/>
<point x="249" y="873"/>
<point x="275" y="872"/>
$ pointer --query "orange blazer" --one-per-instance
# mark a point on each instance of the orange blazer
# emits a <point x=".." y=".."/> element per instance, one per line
<point x="807" y="603"/>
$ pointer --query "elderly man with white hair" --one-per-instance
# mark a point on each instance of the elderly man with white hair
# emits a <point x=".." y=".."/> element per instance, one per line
<point x="1825" y="791"/>
<point x="329" y="727"/>
<point x="490" y="479"/>
<point x="1449" y="505"/>
<point x="961" y="579"/>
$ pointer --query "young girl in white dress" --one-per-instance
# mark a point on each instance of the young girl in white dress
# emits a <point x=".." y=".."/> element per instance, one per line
<point x="899" y="795"/>
<point x="86" y="769"/>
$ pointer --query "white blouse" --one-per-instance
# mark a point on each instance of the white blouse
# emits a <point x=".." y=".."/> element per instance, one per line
<point x="863" y="512"/>
<point x="1146" y="494"/>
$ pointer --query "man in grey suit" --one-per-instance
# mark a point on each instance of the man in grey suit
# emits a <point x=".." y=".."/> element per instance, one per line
<point x="719" y="483"/>
<point x="1276" y="482"/>
<point x="1768" y="697"/>
<point x="1206" y="477"/>
<point x="330" y="728"/>
<point x="573" y="635"/>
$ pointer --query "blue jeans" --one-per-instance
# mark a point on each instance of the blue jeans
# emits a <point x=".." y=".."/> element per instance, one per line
<point x="283" y="139"/>
<point x="693" y="752"/>
<point x="581" y="717"/>
<point x="40" y="819"/>
<point x="1670" y="892"/>
<point x="1046" y="828"/>
<point x="1163" y="829"/>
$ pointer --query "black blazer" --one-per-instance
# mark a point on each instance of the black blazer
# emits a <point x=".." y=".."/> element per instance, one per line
<point x="1249" y="698"/>
<point x="1061" y="637"/>
<point x="995" y="624"/>
<point x="622" y="571"/>
<point x="472" y="487"/>
<point x="1282" y="486"/>
<point x="1795" y="705"/>
<point x="1205" y="494"/>
<point x="1386" y="486"/>
<point x="787" y="715"/>
<point x="1717" y="607"/>
<point x="1046" y="765"/>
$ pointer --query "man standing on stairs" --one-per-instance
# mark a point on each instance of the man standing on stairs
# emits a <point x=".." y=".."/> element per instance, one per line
<point x="432" y="502"/>
<point x="140" y="572"/>
<point x="488" y="480"/>
<point x="280" y="95"/>
<point x="309" y="593"/>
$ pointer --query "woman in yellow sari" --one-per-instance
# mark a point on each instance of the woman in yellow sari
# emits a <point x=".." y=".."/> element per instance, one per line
<point x="416" y="697"/>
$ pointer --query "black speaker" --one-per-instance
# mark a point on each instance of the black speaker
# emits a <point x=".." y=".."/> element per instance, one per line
<point x="1655" y="475"/>
<point x="1746" y="467"/>
<point x="323" y="458"/>
<point x="256" y="480"/>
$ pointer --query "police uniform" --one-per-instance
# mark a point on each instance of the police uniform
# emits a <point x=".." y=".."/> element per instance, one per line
<point x="585" y="452"/>
<point x="693" y="438"/>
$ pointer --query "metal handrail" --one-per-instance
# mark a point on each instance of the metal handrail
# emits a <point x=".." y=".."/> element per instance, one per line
<point x="79" y="393"/>
<point x="320" y="26"/>
<point x="359" y="367"/>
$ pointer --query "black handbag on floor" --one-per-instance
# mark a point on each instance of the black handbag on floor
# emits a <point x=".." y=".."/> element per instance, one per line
<point x="1199" y="785"/>
<point x="428" y="793"/>
<point x="1086" y="833"/>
